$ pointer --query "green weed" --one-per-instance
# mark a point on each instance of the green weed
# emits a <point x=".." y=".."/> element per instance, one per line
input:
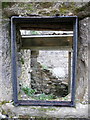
<point x="32" y="93"/>
<point x="29" y="91"/>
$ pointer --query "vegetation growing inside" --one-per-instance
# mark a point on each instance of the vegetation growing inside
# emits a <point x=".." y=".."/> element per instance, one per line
<point x="32" y="93"/>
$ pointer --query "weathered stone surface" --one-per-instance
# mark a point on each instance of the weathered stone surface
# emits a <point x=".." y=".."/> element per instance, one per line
<point x="89" y="63"/>
<point x="82" y="65"/>
<point x="6" y="63"/>
<point x="83" y="11"/>
<point x="42" y="8"/>
<point x="23" y="69"/>
<point x="0" y="49"/>
<point x="81" y="111"/>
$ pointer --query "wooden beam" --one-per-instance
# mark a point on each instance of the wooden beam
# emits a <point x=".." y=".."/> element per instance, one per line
<point x="47" y="42"/>
<point x="46" y="26"/>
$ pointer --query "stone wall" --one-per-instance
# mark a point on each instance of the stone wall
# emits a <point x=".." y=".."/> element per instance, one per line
<point x="23" y="67"/>
<point x="88" y="63"/>
<point x="43" y="79"/>
<point x="82" y="65"/>
<point x="6" y="82"/>
<point x="7" y="109"/>
<point x="0" y="49"/>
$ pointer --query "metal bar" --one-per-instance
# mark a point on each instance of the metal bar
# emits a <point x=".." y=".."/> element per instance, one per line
<point x="48" y="42"/>
<point x="74" y="64"/>
<point x="50" y="19"/>
<point x="13" y="60"/>
<point x="45" y="103"/>
<point x="69" y="72"/>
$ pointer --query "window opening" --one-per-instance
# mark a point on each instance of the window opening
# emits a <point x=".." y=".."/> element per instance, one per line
<point x="43" y="62"/>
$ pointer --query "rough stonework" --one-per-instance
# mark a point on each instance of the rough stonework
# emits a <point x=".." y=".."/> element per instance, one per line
<point x="83" y="11"/>
<point x="7" y="108"/>
<point x="23" y="65"/>
<point x="0" y="49"/>
<point x="6" y="62"/>
<point x="82" y="65"/>
<point x="42" y="79"/>
<point x="41" y="8"/>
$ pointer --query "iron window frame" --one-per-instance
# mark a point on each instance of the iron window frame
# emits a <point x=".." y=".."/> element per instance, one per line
<point x="17" y="102"/>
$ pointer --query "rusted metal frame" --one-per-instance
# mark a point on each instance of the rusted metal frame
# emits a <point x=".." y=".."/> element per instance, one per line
<point x="13" y="61"/>
<point x="14" y="73"/>
<point x="44" y="103"/>
<point x="74" y="61"/>
<point x="69" y="71"/>
<point x="44" y="19"/>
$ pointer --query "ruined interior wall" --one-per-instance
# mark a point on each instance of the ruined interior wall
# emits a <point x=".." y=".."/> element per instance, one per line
<point x="43" y="77"/>
<point x="23" y="67"/>
<point x="23" y="63"/>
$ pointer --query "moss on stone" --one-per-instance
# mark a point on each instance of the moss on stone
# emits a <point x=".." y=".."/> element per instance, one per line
<point x="44" y="12"/>
<point x="54" y="12"/>
<point x="7" y="4"/>
<point x="4" y="102"/>
<point x="22" y="60"/>
<point x="24" y="116"/>
<point x="43" y="109"/>
<point x="46" y="109"/>
<point x="28" y="7"/>
<point x="4" y="112"/>
<point x="63" y="10"/>
<point x="67" y="8"/>
<point x="45" y="4"/>
<point x="34" y="108"/>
